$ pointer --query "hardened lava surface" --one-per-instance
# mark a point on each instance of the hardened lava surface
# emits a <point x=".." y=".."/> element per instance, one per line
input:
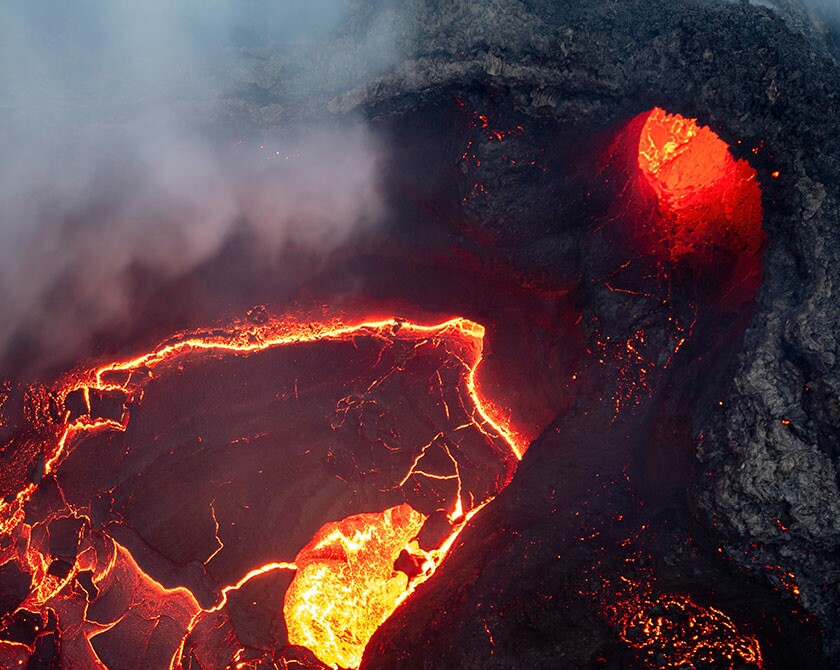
<point x="322" y="469"/>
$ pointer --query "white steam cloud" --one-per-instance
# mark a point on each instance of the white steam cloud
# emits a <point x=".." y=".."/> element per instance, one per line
<point x="108" y="161"/>
<point x="825" y="10"/>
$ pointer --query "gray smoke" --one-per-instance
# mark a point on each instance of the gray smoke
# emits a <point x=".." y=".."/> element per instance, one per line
<point x="109" y="161"/>
<point x="821" y="9"/>
<point x="828" y="10"/>
<point x="817" y="19"/>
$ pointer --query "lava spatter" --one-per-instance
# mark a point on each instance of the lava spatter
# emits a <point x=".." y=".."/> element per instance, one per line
<point x="667" y="629"/>
<point x="672" y="631"/>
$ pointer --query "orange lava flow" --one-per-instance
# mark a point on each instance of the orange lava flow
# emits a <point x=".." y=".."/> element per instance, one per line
<point x="345" y="584"/>
<point x="708" y="200"/>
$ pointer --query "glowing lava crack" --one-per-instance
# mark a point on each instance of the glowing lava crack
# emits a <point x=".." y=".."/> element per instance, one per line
<point x="352" y="573"/>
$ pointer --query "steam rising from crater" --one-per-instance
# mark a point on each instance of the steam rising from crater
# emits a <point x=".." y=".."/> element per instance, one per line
<point x="113" y="162"/>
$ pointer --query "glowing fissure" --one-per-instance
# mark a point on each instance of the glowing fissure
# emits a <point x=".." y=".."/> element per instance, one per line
<point x="345" y="583"/>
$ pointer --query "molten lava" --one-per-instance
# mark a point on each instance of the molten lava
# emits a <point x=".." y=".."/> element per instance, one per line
<point x="346" y="585"/>
<point x="346" y="580"/>
<point x="708" y="201"/>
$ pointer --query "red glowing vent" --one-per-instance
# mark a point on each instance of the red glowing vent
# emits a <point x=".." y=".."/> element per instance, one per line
<point x="708" y="201"/>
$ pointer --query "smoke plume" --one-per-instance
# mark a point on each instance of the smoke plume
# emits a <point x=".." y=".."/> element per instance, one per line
<point x="112" y="158"/>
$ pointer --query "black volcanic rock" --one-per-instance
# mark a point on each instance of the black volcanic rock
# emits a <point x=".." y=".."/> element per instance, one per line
<point x="765" y="483"/>
<point x="14" y="587"/>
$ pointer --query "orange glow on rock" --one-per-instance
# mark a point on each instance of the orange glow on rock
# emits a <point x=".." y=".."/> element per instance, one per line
<point x="675" y="632"/>
<point x="708" y="201"/>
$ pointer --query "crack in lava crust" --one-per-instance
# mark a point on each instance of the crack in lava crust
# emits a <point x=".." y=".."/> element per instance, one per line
<point x="346" y="580"/>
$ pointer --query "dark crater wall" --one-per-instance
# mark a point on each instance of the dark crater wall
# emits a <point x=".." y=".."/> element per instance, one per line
<point x="765" y="481"/>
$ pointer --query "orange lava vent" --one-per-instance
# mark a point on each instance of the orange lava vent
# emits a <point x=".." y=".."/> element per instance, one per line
<point x="708" y="201"/>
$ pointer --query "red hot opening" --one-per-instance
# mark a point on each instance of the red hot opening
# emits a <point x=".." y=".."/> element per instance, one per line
<point x="707" y="200"/>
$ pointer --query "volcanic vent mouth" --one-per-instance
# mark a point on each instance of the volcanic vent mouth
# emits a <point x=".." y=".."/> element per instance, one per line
<point x="708" y="200"/>
<point x="274" y="490"/>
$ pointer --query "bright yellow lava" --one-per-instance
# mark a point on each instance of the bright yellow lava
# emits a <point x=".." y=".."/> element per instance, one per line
<point x="346" y="585"/>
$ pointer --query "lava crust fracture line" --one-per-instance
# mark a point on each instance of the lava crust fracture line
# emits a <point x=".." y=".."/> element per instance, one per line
<point x="129" y="377"/>
<point x="248" y="340"/>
